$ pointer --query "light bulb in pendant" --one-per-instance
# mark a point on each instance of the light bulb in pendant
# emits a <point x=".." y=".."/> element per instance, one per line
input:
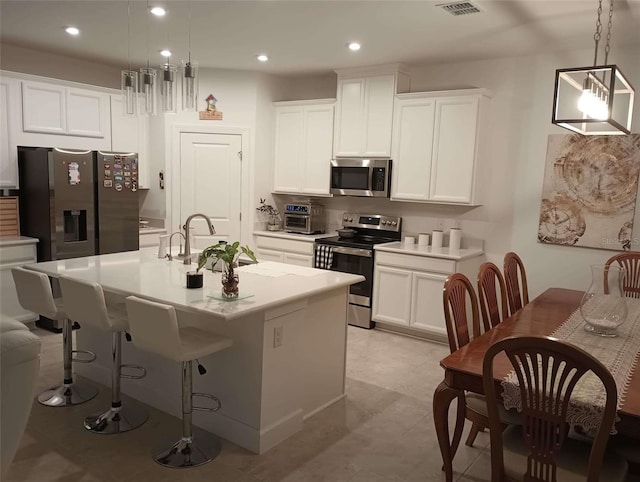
<point x="129" y="92"/>
<point x="148" y="90"/>
<point x="189" y="85"/>
<point x="168" y="88"/>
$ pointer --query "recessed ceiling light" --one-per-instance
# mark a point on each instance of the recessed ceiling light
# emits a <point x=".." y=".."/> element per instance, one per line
<point x="165" y="53"/>
<point x="72" y="30"/>
<point x="263" y="57"/>
<point x="158" y="11"/>
<point x="353" y="46"/>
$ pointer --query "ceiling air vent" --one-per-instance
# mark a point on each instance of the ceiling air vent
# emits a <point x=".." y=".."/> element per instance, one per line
<point x="459" y="8"/>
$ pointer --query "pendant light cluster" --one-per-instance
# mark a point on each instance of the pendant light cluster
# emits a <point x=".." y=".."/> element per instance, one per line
<point x="594" y="100"/>
<point x="140" y="91"/>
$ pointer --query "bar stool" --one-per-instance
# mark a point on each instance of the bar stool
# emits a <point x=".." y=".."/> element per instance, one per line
<point x="84" y="301"/>
<point x="154" y="327"/>
<point x="34" y="294"/>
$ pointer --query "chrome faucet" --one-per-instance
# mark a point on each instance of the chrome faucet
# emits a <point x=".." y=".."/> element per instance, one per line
<point x="187" y="244"/>
<point x="169" y="256"/>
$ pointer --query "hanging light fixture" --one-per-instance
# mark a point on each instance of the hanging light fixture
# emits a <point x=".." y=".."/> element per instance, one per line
<point x="594" y="100"/>
<point x="168" y="87"/>
<point x="129" y="78"/>
<point x="168" y="82"/>
<point x="189" y="78"/>
<point x="148" y="87"/>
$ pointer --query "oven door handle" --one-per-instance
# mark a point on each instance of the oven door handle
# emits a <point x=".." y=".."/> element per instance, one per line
<point x="363" y="253"/>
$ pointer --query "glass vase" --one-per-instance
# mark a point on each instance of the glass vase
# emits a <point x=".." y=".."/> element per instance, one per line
<point x="230" y="282"/>
<point x="603" y="305"/>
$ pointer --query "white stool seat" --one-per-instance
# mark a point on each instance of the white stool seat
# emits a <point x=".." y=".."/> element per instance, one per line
<point x="154" y="327"/>
<point x="85" y="303"/>
<point x="198" y="343"/>
<point x="35" y="294"/>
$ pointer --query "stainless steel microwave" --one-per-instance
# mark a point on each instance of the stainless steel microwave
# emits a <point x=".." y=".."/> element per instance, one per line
<point x="361" y="177"/>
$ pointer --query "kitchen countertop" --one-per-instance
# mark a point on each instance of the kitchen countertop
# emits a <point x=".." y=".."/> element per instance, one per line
<point x="152" y="230"/>
<point x="142" y="273"/>
<point x="295" y="236"/>
<point x="16" y="241"/>
<point x="428" y="251"/>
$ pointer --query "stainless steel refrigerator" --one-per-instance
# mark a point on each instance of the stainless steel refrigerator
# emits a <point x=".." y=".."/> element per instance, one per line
<point x="78" y="203"/>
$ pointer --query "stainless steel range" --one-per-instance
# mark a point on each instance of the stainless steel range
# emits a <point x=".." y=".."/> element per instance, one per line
<point x="355" y="254"/>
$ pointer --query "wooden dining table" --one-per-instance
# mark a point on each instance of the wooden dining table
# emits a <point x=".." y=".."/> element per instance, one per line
<point x="463" y="368"/>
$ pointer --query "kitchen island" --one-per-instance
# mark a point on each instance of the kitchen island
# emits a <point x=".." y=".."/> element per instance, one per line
<point x="288" y="328"/>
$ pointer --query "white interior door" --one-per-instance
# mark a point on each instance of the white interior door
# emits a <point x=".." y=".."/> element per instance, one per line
<point x="210" y="183"/>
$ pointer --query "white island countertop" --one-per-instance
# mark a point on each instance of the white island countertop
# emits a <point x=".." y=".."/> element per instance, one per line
<point x="262" y="286"/>
<point x="429" y="251"/>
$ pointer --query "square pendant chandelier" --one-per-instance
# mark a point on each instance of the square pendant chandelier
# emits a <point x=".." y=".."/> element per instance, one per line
<point x="594" y="100"/>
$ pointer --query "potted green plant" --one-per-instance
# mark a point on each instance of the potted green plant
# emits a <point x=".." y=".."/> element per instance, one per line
<point x="228" y="253"/>
<point x="270" y="214"/>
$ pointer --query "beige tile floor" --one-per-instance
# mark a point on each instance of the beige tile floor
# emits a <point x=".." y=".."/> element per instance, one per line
<point x="382" y="431"/>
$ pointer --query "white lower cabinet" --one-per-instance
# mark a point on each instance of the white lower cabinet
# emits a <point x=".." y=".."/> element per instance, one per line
<point x="282" y="250"/>
<point x="407" y="290"/>
<point x="269" y="255"/>
<point x="11" y="256"/>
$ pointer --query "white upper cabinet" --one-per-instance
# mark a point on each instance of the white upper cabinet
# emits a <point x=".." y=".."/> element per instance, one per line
<point x="9" y="122"/>
<point x="436" y="146"/>
<point x="303" y="146"/>
<point x="365" y="111"/>
<point x="43" y="108"/>
<point x="56" y="109"/>
<point x="130" y="134"/>
<point x="412" y="148"/>
<point x="87" y="113"/>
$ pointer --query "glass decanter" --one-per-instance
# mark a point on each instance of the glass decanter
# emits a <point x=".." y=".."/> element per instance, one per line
<point x="603" y="305"/>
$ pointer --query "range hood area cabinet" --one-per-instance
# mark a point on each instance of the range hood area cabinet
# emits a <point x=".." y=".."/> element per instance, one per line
<point x="303" y="146"/>
<point x="436" y="146"/>
<point x="364" y="111"/>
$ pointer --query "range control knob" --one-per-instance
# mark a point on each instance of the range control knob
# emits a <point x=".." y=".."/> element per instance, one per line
<point x="344" y="218"/>
<point x="350" y="219"/>
<point x="394" y="223"/>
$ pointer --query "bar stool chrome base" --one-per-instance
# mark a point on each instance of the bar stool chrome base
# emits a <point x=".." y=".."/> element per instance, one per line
<point x="117" y="420"/>
<point x="73" y="394"/>
<point x="199" y="449"/>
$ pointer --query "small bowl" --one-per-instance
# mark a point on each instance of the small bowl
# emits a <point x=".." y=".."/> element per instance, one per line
<point x="346" y="233"/>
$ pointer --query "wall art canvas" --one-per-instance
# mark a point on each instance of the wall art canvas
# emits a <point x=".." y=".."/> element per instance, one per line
<point x="589" y="191"/>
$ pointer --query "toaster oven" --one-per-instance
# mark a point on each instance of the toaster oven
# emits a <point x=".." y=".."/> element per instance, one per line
<point x="304" y="218"/>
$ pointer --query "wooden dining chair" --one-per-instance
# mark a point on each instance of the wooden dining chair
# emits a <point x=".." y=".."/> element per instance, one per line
<point x="458" y="298"/>
<point x="539" y="450"/>
<point x="630" y="261"/>
<point x="492" y="295"/>
<point x="515" y="279"/>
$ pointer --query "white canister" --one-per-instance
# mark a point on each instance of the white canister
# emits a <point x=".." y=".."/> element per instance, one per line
<point x="423" y="239"/>
<point x="163" y="246"/>
<point x="436" y="239"/>
<point x="409" y="240"/>
<point x="455" y="235"/>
